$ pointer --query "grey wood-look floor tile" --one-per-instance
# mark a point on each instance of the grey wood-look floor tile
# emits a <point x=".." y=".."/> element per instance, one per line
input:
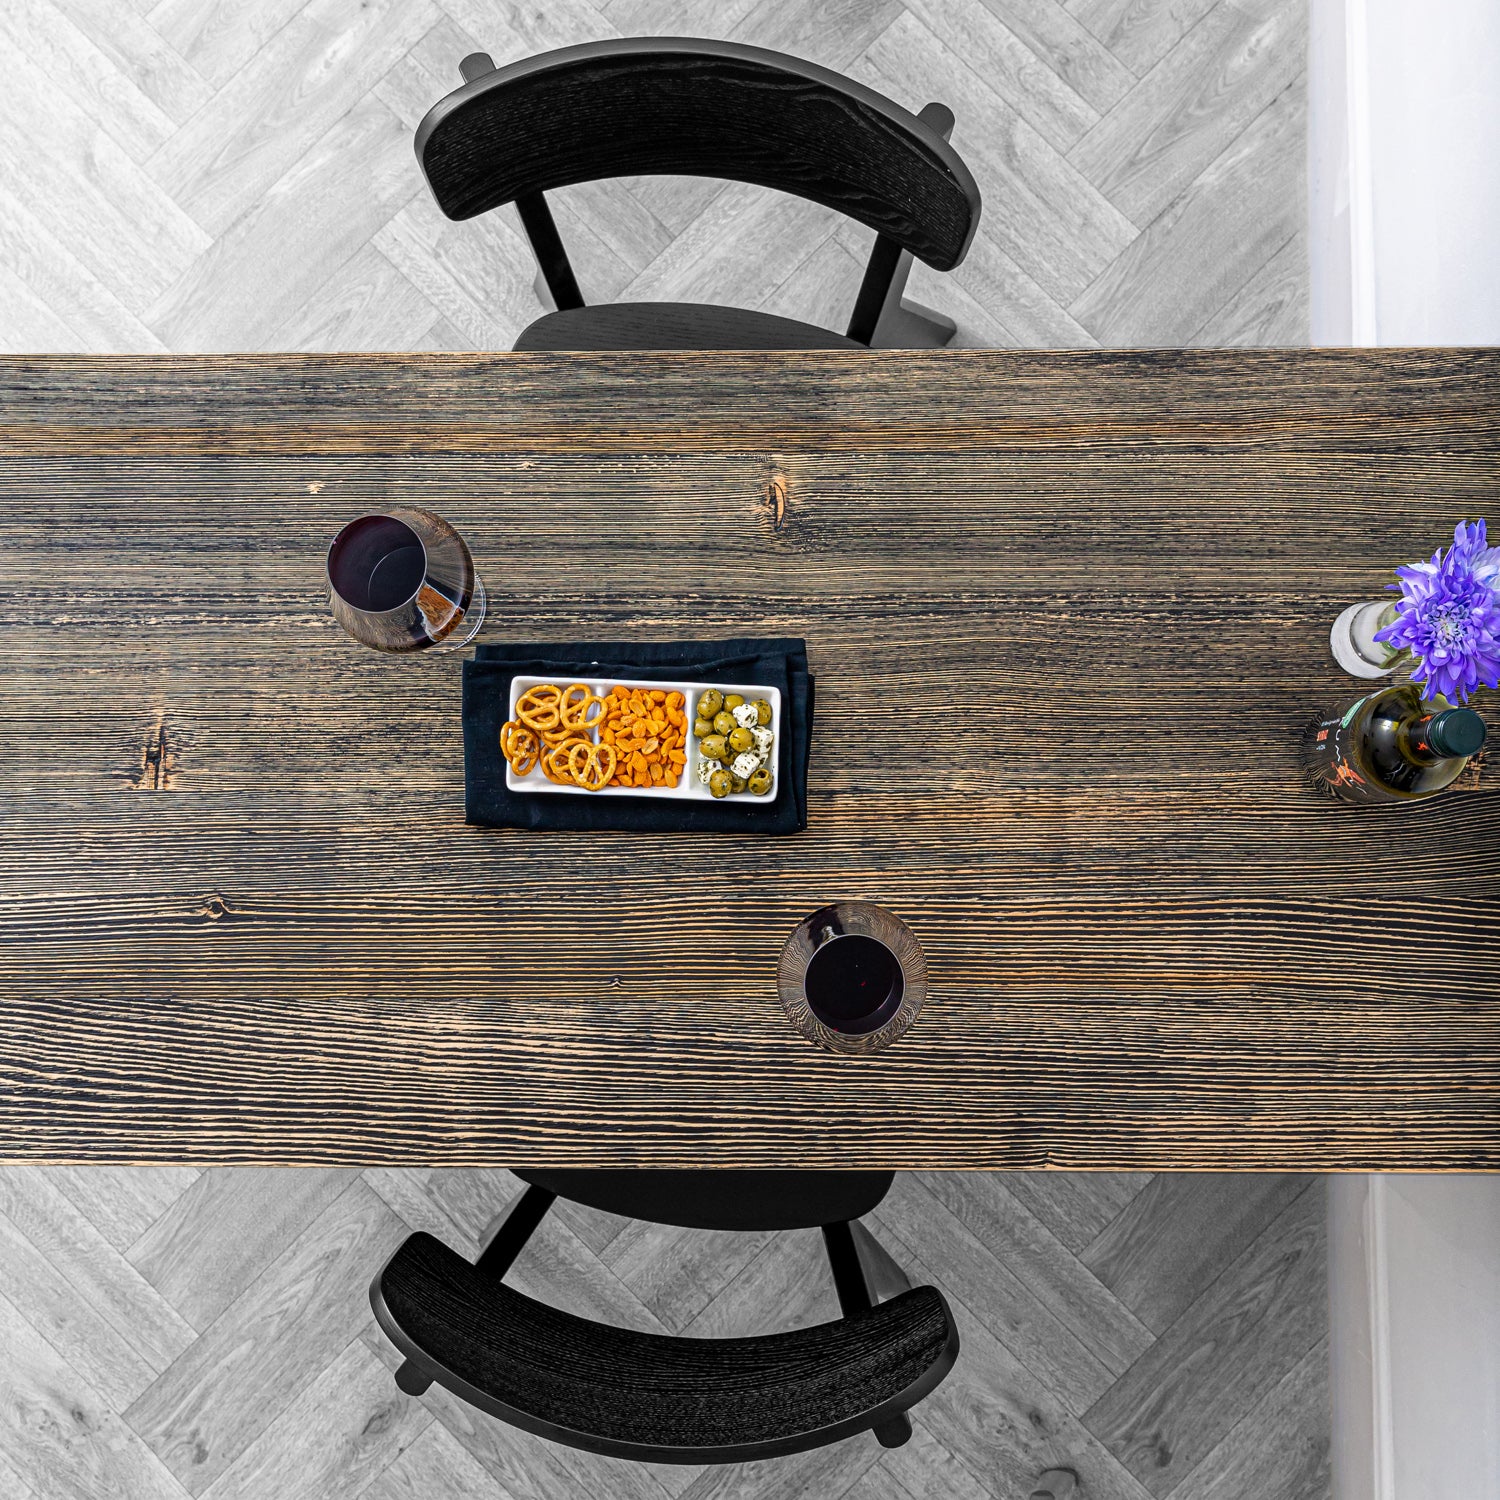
<point x="1069" y="48"/>
<point x="748" y="237"/>
<point x="367" y="304"/>
<point x="1005" y="308"/>
<point x="336" y="1438"/>
<point x="12" y="1486"/>
<point x="58" y="1435"/>
<point x="676" y="1272"/>
<point x="140" y="52"/>
<point x="516" y="28"/>
<point x="477" y="274"/>
<point x="442" y="336"/>
<point x="1271" y="308"/>
<point x="676" y="17"/>
<point x="926" y="1470"/>
<point x="281" y="253"/>
<point x="787" y="1284"/>
<point x="1066" y="1286"/>
<point x="830" y="32"/>
<point x="1009" y="1427"/>
<point x="75" y="66"/>
<point x="436" y="1467"/>
<point x="218" y="40"/>
<point x="1224" y="1354"/>
<point x="1076" y="1206"/>
<point x="1280" y="1450"/>
<point x="919" y="1232"/>
<point x="1190" y="106"/>
<point x="595" y="1229"/>
<point x="822" y="289"/>
<point x="1210" y="242"/>
<point x="223" y="1231"/>
<point x="1175" y="1238"/>
<point x="118" y="223"/>
<point x="124" y="1202"/>
<point x="290" y="95"/>
<point x="527" y="1467"/>
<point x="1001" y="61"/>
<point x="417" y="1196"/>
<point x="876" y="1484"/>
<point x="32" y="253"/>
<point x="1140" y="32"/>
<point x="1051" y="221"/>
<point x="107" y="1360"/>
<point x="824" y="1472"/>
<point x="32" y="324"/>
<point x="210" y="1405"/>
<point x="98" y="1274"/>
<point x="557" y="1267"/>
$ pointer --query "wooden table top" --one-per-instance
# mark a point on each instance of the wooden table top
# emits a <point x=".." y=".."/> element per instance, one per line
<point x="1068" y="614"/>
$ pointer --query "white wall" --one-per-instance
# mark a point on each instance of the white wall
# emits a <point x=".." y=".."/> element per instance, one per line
<point x="1404" y="171"/>
<point x="1414" y="1288"/>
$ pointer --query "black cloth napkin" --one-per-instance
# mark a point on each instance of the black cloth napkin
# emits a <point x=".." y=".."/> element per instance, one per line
<point x="775" y="662"/>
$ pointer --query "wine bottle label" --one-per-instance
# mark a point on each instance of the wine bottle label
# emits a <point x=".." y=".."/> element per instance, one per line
<point x="1328" y="759"/>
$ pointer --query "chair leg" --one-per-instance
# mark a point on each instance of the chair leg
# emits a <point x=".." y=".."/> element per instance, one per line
<point x="895" y="1433"/>
<point x="411" y="1379"/>
<point x="848" y="1274"/>
<point x="509" y="1240"/>
<point x="883" y="1276"/>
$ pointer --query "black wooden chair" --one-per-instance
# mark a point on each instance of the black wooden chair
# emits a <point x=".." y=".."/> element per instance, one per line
<point x="665" y="1399"/>
<point x="708" y="109"/>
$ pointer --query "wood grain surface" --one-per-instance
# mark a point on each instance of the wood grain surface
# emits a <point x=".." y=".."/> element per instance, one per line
<point x="1068" y="614"/>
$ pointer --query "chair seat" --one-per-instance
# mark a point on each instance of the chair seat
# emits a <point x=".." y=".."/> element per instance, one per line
<point x="651" y="1396"/>
<point x="725" y="1199"/>
<point x="673" y="325"/>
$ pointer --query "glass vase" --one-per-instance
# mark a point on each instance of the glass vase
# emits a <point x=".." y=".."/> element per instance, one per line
<point x="1355" y="648"/>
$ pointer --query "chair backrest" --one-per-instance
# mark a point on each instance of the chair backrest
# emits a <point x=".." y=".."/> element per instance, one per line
<point x="649" y="1396"/>
<point x="680" y="105"/>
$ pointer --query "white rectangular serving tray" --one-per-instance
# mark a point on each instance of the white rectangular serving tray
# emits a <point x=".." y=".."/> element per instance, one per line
<point x="689" y="786"/>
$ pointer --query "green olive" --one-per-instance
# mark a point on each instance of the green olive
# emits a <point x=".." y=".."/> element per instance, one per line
<point x="702" y="727"/>
<point x="710" y="703"/>
<point x="737" y="783"/>
<point x="732" y="701"/>
<point x="739" y="739"/>
<point x="713" y="747"/>
<point x="720" y="783"/>
<point x="762" y="712"/>
<point x="760" y="782"/>
<point x="723" y="722"/>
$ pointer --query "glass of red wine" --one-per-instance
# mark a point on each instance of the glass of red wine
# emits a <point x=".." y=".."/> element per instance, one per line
<point x="852" y="977"/>
<point x="404" y="580"/>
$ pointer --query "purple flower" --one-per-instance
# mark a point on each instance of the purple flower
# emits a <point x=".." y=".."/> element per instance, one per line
<point x="1449" y="616"/>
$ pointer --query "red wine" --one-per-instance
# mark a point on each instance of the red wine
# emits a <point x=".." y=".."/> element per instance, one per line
<point x="376" y="563"/>
<point x="1391" y="747"/>
<point x="853" y="982"/>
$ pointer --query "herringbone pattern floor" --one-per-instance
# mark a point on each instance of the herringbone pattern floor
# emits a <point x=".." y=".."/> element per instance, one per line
<point x="208" y="175"/>
<point x="171" y="1333"/>
<point x="195" y="175"/>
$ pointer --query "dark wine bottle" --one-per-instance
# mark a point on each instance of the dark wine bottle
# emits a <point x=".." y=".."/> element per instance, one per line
<point x="1391" y="747"/>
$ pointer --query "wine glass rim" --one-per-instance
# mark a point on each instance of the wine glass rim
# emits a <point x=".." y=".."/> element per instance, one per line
<point x="375" y="515"/>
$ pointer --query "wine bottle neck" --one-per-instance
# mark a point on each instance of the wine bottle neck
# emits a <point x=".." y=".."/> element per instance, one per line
<point x="1450" y="734"/>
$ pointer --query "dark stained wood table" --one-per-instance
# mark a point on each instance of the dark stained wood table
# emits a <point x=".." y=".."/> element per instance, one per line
<point x="1068" y="614"/>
